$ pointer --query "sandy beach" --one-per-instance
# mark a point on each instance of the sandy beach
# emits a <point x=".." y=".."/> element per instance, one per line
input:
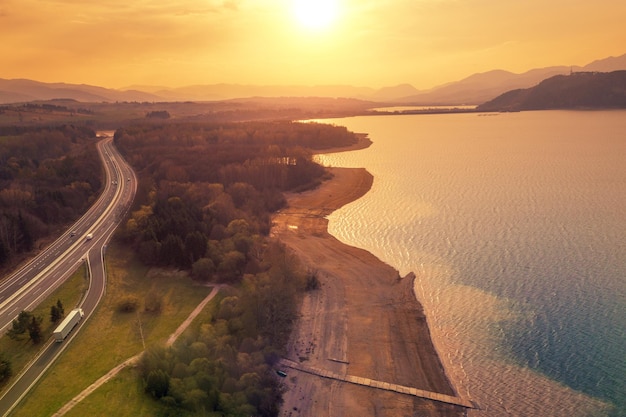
<point x="363" y="321"/>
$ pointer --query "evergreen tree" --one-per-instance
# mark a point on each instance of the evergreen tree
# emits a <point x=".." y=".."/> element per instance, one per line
<point x="34" y="329"/>
<point x="19" y="325"/>
<point x="60" y="308"/>
<point x="55" y="315"/>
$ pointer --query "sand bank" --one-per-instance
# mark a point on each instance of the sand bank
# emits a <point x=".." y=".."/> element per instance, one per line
<point x="364" y="320"/>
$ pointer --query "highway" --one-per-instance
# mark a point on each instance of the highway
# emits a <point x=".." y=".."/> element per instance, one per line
<point x="34" y="281"/>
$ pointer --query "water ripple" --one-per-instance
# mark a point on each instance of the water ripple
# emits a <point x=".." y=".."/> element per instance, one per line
<point x="514" y="227"/>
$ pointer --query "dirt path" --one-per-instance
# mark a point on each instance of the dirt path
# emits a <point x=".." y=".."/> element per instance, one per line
<point x="364" y="321"/>
<point x="192" y="316"/>
<point x="132" y="361"/>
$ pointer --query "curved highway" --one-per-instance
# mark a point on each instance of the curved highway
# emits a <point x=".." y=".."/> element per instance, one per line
<point x="84" y="241"/>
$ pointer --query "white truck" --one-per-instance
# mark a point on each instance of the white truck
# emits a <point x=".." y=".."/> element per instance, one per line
<point x="68" y="323"/>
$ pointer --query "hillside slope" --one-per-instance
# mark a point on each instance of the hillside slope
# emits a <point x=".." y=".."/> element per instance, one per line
<point x="579" y="90"/>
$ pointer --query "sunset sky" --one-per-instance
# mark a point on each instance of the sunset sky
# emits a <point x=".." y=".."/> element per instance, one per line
<point x="374" y="43"/>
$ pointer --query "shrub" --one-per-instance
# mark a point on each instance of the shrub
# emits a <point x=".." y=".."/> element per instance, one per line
<point x="128" y="305"/>
<point x="312" y="282"/>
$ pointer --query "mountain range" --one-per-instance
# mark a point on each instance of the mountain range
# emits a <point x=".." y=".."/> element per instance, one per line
<point x="475" y="89"/>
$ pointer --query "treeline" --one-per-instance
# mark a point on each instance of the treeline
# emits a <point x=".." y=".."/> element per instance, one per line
<point x="54" y="107"/>
<point x="206" y="195"/>
<point x="48" y="176"/>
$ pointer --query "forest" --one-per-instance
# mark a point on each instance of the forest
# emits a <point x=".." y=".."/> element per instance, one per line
<point x="207" y="190"/>
<point x="206" y="194"/>
<point x="49" y="176"/>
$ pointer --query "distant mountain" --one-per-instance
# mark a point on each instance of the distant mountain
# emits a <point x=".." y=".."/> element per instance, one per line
<point x="579" y="90"/>
<point x="213" y="92"/>
<point x="13" y="97"/>
<point x="608" y="64"/>
<point x="19" y="90"/>
<point x="481" y="87"/>
<point x="475" y="89"/>
<point x="392" y="93"/>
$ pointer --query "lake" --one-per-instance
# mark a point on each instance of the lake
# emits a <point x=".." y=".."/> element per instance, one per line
<point x="515" y="226"/>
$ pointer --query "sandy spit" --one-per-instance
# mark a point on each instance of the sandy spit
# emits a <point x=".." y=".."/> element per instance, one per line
<point x="364" y="321"/>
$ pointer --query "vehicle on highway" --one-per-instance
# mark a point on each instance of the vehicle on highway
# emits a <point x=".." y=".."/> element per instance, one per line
<point x="68" y="323"/>
<point x="89" y="236"/>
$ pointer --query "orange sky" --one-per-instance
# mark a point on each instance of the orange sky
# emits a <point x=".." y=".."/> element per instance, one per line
<point x="375" y="43"/>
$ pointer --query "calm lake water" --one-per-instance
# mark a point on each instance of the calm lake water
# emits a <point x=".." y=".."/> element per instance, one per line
<point x="515" y="225"/>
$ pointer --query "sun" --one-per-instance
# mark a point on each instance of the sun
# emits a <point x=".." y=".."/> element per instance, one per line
<point x="315" y="14"/>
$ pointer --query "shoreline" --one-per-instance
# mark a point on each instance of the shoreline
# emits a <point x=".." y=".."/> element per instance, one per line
<point x="363" y="142"/>
<point x="365" y="320"/>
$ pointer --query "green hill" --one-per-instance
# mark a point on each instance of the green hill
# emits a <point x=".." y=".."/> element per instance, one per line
<point x="579" y="90"/>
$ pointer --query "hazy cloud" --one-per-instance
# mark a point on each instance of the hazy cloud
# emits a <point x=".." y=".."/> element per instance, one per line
<point x="425" y="42"/>
<point x="4" y="6"/>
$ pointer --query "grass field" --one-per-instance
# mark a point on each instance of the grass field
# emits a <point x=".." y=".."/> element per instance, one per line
<point x="125" y="393"/>
<point x="110" y="337"/>
<point x="22" y="351"/>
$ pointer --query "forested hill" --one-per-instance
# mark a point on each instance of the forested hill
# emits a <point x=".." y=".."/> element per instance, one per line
<point x="579" y="90"/>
